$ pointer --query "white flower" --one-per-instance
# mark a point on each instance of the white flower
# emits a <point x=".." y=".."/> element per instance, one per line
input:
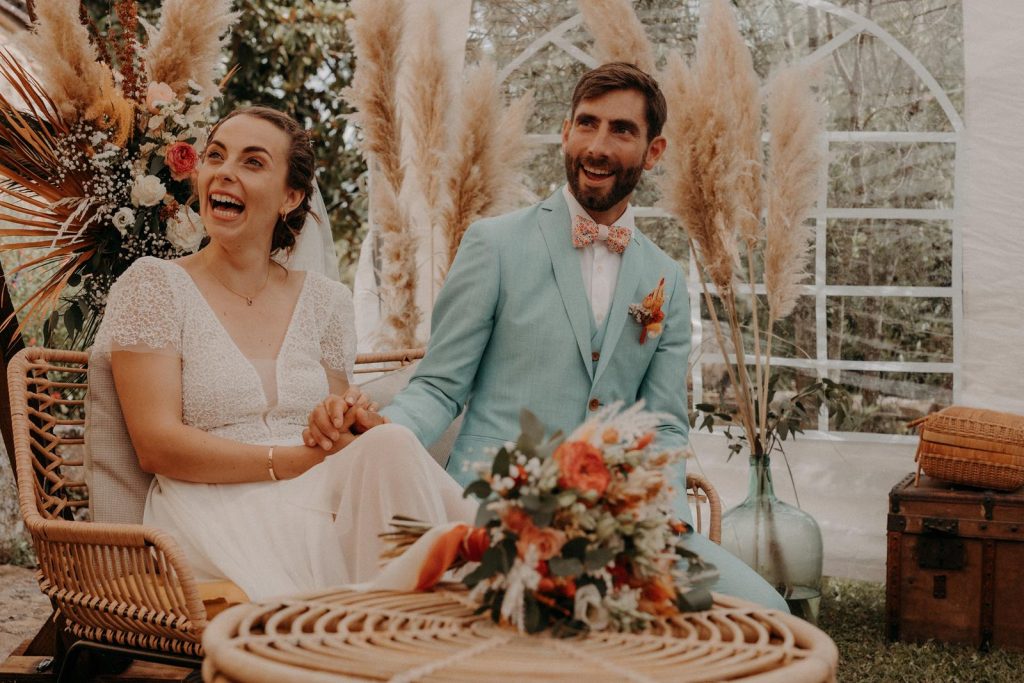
<point x="148" y="191"/>
<point x="589" y="608"/>
<point x="124" y="218"/>
<point x="155" y="122"/>
<point x="520" y="579"/>
<point x="185" y="230"/>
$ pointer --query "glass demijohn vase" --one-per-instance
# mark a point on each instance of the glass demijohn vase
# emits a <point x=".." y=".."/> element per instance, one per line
<point x="780" y="542"/>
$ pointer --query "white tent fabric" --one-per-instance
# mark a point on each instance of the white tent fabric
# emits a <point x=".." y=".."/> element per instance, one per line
<point x="993" y="217"/>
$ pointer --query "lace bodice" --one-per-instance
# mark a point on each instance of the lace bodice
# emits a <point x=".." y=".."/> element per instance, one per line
<point x="155" y="306"/>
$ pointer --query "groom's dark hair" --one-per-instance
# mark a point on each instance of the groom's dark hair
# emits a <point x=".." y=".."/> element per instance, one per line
<point x="623" y="76"/>
<point x="301" y="169"/>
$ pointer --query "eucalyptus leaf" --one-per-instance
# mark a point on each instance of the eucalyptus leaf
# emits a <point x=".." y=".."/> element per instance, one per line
<point x="479" y="488"/>
<point x="501" y="463"/>
<point x="532" y="617"/>
<point x="576" y="548"/>
<point x="531" y="427"/>
<point x="598" y="558"/>
<point x="563" y="566"/>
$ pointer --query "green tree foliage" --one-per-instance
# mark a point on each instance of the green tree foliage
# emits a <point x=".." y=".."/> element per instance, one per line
<point x="296" y="57"/>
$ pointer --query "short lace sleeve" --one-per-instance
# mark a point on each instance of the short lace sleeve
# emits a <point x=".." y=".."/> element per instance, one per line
<point x="338" y="338"/>
<point x="144" y="312"/>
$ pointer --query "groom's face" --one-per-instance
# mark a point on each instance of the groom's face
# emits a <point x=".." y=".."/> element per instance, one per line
<point x="606" y="151"/>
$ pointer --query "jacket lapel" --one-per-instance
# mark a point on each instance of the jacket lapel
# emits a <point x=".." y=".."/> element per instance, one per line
<point x="629" y="278"/>
<point x="565" y="261"/>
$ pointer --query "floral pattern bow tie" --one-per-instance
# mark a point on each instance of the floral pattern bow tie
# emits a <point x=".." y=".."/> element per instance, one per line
<point x="585" y="231"/>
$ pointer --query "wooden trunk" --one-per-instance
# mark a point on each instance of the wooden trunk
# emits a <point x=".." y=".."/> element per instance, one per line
<point x="955" y="565"/>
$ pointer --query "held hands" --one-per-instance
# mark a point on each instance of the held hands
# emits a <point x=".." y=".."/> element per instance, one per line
<point x="337" y="420"/>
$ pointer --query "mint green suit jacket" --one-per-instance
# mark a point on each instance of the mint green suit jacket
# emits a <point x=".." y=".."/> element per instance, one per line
<point x="512" y="329"/>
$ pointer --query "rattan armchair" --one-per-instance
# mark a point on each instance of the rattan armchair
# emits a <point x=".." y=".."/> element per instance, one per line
<point x="117" y="587"/>
<point x="126" y="587"/>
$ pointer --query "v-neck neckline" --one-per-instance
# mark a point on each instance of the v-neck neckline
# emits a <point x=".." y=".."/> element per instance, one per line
<point x="220" y="323"/>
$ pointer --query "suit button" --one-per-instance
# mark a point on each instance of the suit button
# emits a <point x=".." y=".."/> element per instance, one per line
<point x="595" y="356"/>
<point x="594" y="404"/>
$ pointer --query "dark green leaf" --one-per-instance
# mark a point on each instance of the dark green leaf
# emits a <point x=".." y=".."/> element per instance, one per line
<point x="479" y="488"/>
<point x="531" y="427"/>
<point x="561" y="566"/>
<point x="485" y="516"/>
<point x="490" y="564"/>
<point x="694" y="600"/>
<point x="598" y="558"/>
<point x="501" y="464"/>
<point x="705" y="407"/>
<point x="73" y="319"/>
<point x="532" y="618"/>
<point x="577" y="548"/>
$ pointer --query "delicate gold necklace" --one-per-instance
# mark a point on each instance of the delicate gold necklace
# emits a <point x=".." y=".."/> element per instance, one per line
<point x="248" y="299"/>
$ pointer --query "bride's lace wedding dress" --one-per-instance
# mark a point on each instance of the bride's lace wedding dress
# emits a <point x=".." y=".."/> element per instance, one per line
<point x="273" y="538"/>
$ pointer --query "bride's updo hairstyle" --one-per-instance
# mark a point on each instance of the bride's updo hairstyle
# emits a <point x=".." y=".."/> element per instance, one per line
<point x="301" y="167"/>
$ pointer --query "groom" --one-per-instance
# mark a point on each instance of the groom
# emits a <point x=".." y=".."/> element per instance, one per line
<point x="535" y="311"/>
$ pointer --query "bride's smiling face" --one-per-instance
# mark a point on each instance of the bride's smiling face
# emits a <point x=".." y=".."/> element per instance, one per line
<point x="242" y="181"/>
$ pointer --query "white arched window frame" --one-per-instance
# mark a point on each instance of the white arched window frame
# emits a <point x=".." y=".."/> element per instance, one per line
<point x="821" y="364"/>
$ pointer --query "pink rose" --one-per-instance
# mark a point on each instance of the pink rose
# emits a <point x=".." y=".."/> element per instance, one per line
<point x="181" y="158"/>
<point x="582" y="467"/>
<point x="157" y="94"/>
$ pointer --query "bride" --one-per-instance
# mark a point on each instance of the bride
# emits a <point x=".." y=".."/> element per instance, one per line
<point x="226" y="364"/>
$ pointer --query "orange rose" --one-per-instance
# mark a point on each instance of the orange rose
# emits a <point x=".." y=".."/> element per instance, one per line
<point x="582" y="467"/>
<point x="546" y="541"/>
<point x="516" y="519"/>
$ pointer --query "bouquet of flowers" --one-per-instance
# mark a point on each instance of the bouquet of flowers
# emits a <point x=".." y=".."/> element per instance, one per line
<point x="577" y="534"/>
<point x="96" y="150"/>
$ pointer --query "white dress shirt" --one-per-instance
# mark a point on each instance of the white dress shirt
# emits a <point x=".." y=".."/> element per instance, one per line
<point x="599" y="265"/>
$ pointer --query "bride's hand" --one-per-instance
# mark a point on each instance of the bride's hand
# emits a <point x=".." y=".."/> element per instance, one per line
<point x="331" y="422"/>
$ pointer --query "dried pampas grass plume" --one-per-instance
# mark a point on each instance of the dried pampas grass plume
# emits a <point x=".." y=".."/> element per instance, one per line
<point x="376" y="31"/>
<point x="725" y="60"/>
<point x="698" y="182"/>
<point x="619" y="35"/>
<point x="71" y="71"/>
<point x="186" y="46"/>
<point x="794" y="123"/>
<point x="473" y="163"/>
<point x="426" y="99"/>
<point x="484" y="176"/>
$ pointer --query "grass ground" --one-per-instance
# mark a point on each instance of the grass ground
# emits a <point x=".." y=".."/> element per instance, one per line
<point x="853" y="614"/>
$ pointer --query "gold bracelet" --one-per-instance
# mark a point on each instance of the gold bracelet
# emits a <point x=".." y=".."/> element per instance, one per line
<point x="270" y="464"/>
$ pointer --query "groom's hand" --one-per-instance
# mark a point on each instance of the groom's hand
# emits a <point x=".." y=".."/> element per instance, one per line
<point x="332" y="419"/>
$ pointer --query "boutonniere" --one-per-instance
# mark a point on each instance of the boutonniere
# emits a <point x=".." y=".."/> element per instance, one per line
<point x="648" y="313"/>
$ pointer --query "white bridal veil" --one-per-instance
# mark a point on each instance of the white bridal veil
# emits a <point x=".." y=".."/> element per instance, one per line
<point x="314" y="246"/>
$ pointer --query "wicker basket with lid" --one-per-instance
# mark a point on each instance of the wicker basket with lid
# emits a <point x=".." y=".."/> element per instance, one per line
<point x="972" y="446"/>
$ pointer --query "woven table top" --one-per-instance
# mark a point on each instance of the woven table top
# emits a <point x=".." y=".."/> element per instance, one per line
<point x="385" y="636"/>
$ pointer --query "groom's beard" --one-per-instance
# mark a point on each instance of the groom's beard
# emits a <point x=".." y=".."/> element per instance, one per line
<point x="626" y="180"/>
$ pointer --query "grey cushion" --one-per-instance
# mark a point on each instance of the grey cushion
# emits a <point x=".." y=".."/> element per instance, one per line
<point x="118" y="486"/>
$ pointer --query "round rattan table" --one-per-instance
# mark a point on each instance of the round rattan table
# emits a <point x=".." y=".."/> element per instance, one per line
<point x="383" y="636"/>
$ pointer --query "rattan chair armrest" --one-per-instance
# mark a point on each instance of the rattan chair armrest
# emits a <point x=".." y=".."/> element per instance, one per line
<point x="124" y="563"/>
<point x="699" y="482"/>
